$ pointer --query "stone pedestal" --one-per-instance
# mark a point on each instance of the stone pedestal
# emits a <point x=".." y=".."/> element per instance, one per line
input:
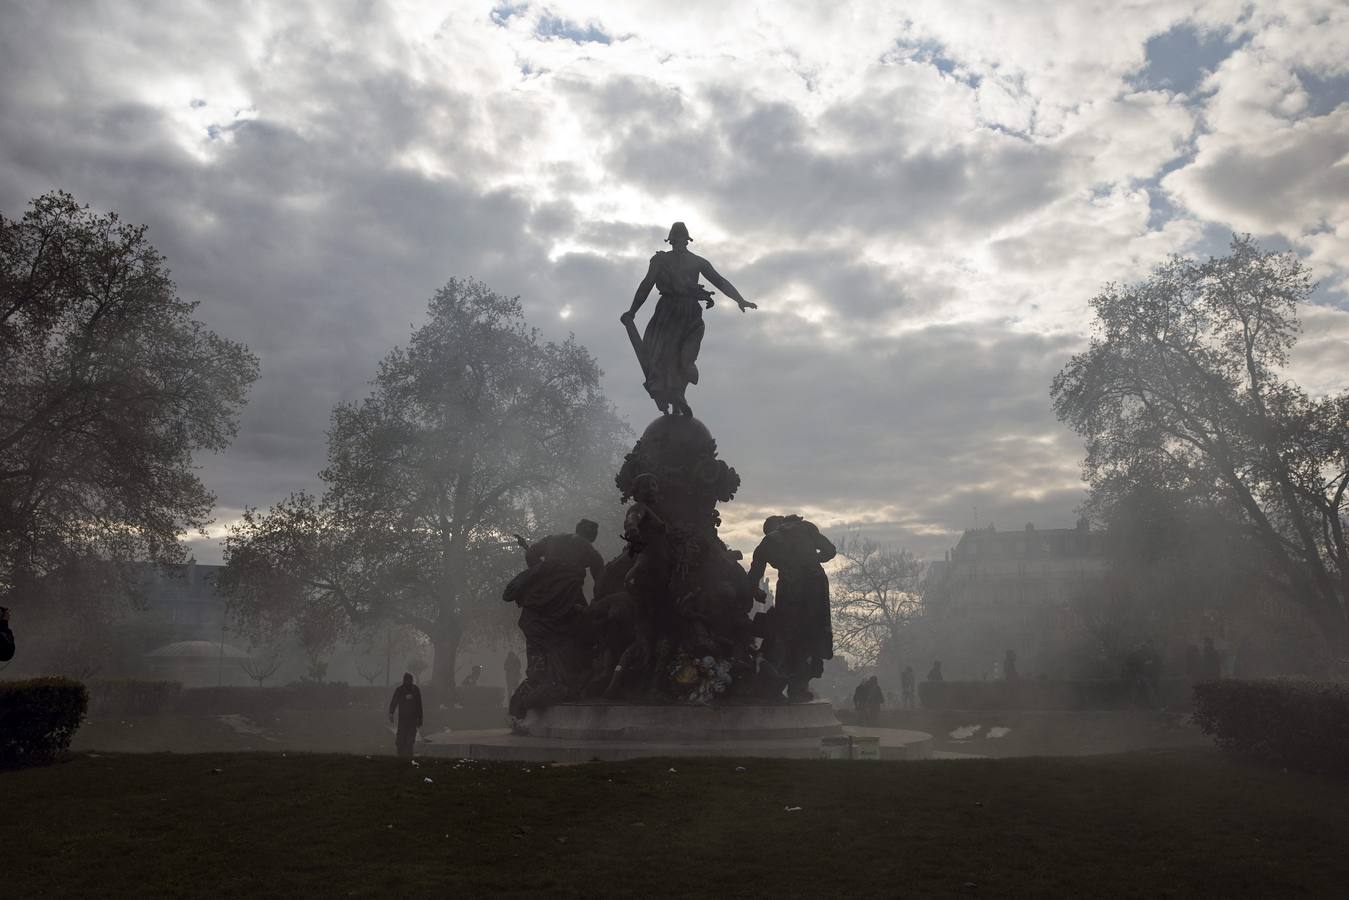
<point x="678" y="722"/>
<point x="584" y="732"/>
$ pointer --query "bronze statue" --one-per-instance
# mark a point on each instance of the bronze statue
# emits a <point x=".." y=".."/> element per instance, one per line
<point x="668" y="351"/>
<point x="800" y="635"/>
<point x="553" y="616"/>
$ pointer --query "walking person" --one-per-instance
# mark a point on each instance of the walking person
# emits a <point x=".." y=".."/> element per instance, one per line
<point x="407" y="702"/>
<point x="6" y="636"/>
<point x="906" y="680"/>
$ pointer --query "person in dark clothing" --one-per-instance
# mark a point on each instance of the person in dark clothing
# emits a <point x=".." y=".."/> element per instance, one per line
<point x="906" y="680"/>
<point x="867" y="700"/>
<point x="1212" y="668"/>
<point x="934" y="673"/>
<point x="6" y="636"/>
<point x="1194" y="663"/>
<point x="407" y="702"/>
<point x="1009" y="672"/>
<point x="471" y="679"/>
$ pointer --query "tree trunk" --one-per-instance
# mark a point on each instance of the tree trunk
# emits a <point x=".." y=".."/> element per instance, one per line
<point x="444" y="652"/>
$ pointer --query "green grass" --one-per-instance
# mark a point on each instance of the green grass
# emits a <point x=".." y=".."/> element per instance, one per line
<point x="1142" y="825"/>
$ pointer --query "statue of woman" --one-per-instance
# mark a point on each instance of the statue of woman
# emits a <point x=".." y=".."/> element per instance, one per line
<point x="668" y="351"/>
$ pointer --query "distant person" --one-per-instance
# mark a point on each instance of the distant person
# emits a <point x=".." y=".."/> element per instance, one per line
<point x="471" y="679"/>
<point x="1194" y="662"/>
<point x="6" y="636"/>
<point x="512" y="673"/>
<point x="907" y="698"/>
<point x="1244" y="663"/>
<point x="867" y="700"/>
<point x="1134" y="678"/>
<point x="1152" y="671"/>
<point x="934" y="673"/>
<point x="407" y="702"/>
<point x="1212" y="667"/>
<point x="1009" y="672"/>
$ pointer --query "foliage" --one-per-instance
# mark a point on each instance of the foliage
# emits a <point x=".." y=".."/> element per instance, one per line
<point x="109" y="387"/>
<point x="875" y="594"/>
<point x="38" y="717"/>
<point x="1180" y="392"/>
<point x="1299" y="724"/>
<point x="133" y="697"/>
<point x="477" y="429"/>
<point x="261" y="702"/>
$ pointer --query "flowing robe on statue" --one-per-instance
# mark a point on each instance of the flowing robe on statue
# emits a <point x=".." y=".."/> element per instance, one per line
<point x="674" y="335"/>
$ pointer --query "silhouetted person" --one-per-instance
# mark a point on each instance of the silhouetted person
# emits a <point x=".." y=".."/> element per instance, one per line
<point x="407" y="702"/>
<point x="1009" y="672"/>
<point x="1212" y="668"/>
<point x="512" y="667"/>
<point x="471" y="679"/>
<point x="934" y="673"/>
<point x="1152" y="671"/>
<point x="6" y="637"/>
<point x="906" y="680"/>
<point x="867" y="700"/>
<point x="1194" y="663"/>
<point x="1133" y="675"/>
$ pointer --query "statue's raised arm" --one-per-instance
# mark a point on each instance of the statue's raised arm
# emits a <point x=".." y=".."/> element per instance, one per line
<point x="668" y="350"/>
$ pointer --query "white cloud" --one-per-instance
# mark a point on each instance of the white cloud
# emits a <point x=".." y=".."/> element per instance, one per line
<point x="921" y="195"/>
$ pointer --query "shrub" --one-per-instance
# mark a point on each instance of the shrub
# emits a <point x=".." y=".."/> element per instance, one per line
<point x="131" y="697"/>
<point x="38" y="717"/>
<point x="1299" y="724"/>
<point x="266" y="701"/>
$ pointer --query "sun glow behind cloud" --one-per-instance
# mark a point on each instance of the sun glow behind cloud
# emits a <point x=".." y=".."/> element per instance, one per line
<point x="921" y="196"/>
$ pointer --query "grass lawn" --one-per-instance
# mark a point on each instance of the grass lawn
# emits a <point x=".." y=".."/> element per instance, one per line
<point x="1186" y="823"/>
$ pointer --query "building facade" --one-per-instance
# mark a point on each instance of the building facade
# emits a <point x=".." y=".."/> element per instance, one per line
<point x="1009" y="590"/>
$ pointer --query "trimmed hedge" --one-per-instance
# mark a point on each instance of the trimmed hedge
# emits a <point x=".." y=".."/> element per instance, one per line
<point x="38" y="717"/>
<point x="1048" y="695"/>
<point x="131" y="697"/>
<point x="1299" y="724"/>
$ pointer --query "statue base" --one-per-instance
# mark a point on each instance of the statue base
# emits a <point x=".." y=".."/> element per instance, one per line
<point x="587" y="732"/>
<point x="677" y="722"/>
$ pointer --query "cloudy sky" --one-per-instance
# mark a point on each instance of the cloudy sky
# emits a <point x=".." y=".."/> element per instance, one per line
<point x="921" y="197"/>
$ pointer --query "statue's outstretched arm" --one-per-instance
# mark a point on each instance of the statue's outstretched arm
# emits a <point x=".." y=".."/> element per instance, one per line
<point x="758" y="565"/>
<point x="725" y="286"/>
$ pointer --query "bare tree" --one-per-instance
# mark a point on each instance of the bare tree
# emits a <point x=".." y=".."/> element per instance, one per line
<point x="370" y="670"/>
<point x="262" y="668"/>
<point x="877" y="592"/>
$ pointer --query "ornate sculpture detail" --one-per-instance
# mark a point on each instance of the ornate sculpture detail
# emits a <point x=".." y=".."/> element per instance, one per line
<point x="671" y="616"/>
